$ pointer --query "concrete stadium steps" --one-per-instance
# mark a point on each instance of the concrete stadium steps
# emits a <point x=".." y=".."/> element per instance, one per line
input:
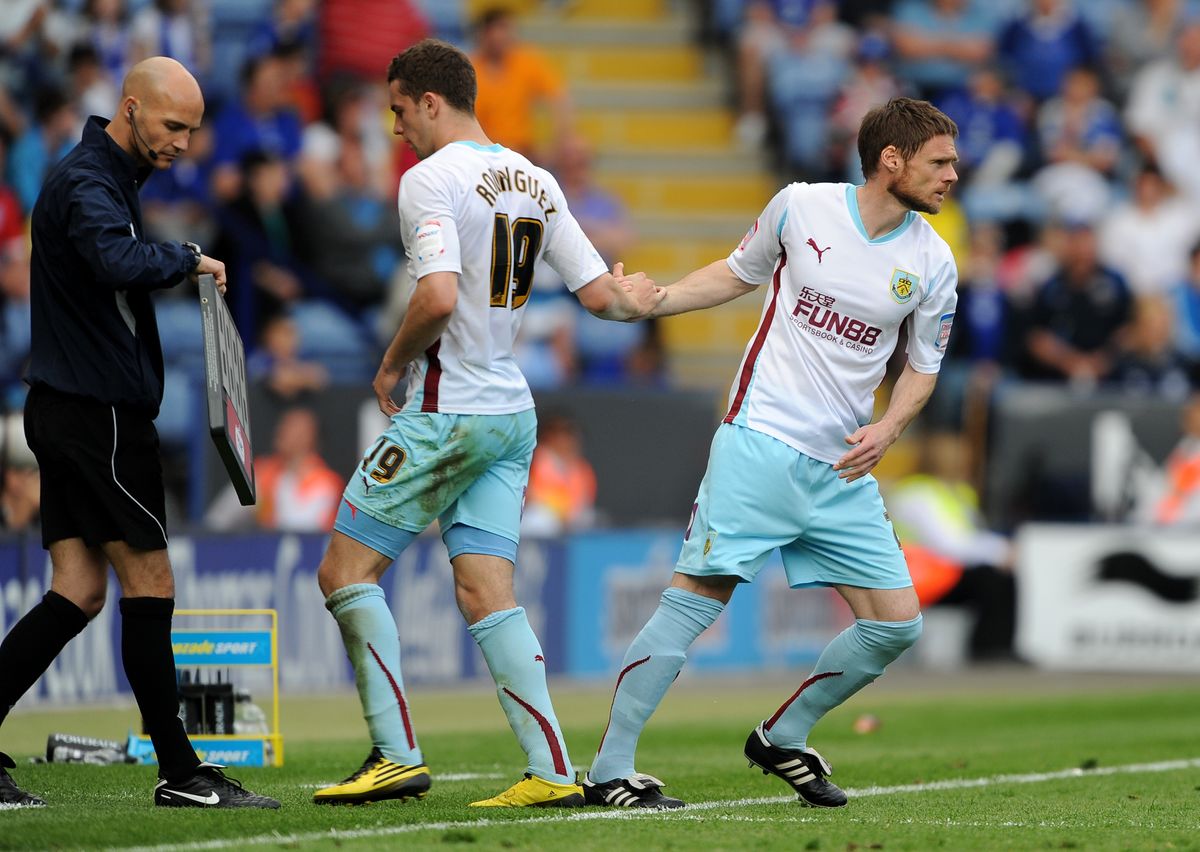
<point x="629" y="63"/>
<point x="655" y="108"/>
<point x="720" y="193"/>
<point x="625" y="10"/>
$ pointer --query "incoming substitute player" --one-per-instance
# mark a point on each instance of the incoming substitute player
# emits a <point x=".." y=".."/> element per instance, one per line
<point x="97" y="383"/>
<point x="475" y="219"/>
<point x="845" y="266"/>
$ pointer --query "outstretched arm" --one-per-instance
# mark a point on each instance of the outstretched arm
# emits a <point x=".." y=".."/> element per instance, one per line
<point x="428" y="315"/>
<point x="710" y="285"/>
<point x="870" y="442"/>
<point x="620" y="297"/>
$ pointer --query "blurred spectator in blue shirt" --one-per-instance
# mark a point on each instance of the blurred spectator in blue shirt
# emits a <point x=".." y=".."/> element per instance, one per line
<point x="53" y="133"/>
<point x="805" y="80"/>
<point x="1039" y="48"/>
<point x="1079" y="135"/>
<point x="257" y="239"/>
<point x="275" y="362"/>
<point x="92" y="90"/>
<point x="1079" y="125"/>
<point x="106" y="29"/>
<point x="260" y="121"/>
<point x="765" y="29"/>
<point x="290" y="22"/>
<point x="177" y="205"/>
<point x="940" y="42"/>
<point x="869" y="84"/>
<point x="175" y="28"/>
<point x="991" y="134"/>
<point x="1185" y="301"/>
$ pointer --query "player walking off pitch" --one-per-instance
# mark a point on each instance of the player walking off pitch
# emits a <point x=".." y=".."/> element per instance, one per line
<point x="790" y="465"/>
<point x="475" y="218"/>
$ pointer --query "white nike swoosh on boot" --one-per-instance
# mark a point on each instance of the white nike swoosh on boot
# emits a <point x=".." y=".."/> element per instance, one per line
<point x="210" y="799"/>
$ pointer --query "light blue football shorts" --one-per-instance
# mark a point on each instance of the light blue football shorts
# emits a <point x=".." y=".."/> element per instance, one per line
<point x="462" y="469"/>
<point x="759" y="494"/>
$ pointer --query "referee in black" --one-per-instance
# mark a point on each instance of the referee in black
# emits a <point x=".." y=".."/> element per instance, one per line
<point x="96" y="377"/>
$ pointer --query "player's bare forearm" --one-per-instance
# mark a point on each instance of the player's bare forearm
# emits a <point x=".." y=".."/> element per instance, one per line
<point x="620" y="297"/>
<point x="708" y="286"/>
<point x="870" y="442"/>
<point x="428" y="315"/>
<point x="909" y="396"/>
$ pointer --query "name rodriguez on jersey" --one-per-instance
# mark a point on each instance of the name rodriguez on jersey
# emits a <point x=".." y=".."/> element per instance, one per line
<point x="497" y="180"/>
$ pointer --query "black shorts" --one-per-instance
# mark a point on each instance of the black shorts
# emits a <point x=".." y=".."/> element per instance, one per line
<point x="101" y="474"/>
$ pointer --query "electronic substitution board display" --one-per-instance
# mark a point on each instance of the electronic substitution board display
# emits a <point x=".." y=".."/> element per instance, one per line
<point x="225" y="385"/>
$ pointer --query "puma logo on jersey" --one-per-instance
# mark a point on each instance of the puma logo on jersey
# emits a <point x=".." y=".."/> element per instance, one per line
<point x="820" y="251"/>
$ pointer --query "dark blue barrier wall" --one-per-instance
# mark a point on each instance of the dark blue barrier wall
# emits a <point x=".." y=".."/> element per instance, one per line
<point x="586" y="596"/>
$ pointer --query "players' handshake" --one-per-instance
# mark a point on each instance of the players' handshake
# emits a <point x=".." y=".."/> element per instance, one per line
<point x="641" y="290"/>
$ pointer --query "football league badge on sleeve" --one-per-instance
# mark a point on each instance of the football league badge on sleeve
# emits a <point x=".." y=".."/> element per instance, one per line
<point x="749" y="236"/>
<point x="904" y="284"/>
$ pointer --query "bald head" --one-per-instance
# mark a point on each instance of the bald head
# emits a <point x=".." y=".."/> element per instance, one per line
<point x="161" y="78"/>
<point x="161" y="104"/>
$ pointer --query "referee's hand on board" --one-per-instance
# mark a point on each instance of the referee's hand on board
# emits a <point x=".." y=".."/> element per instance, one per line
<point x="210" y="266"/>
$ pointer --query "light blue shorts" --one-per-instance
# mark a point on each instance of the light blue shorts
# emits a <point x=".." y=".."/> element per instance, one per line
<point x="462" y="469"/>
<point x="759" y="494"/>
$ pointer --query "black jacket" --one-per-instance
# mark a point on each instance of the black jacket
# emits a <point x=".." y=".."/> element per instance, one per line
<point x="94" y="330"/>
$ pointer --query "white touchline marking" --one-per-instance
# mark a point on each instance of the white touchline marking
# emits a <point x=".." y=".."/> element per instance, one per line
<point x="441" y="776"/>
<point x="686" y="813"/>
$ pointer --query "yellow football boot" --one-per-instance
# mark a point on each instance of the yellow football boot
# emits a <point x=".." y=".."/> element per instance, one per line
<point x="378" y="780"/>
<point x="534" y="792"/>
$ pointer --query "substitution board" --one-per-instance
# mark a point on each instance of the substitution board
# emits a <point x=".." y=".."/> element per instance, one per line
<point x="225" y="383"/>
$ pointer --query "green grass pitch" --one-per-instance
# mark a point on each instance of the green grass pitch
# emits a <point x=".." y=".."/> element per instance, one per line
<point x="1000" y="760"/>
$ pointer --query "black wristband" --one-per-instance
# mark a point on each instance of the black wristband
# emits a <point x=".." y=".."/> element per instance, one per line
<point x="193" y="250"/>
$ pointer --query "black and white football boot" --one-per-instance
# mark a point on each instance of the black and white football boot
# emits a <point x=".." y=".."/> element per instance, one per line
<point x="804" y="770"/>
<point x="12" y="796"/>
<point x="637" y="791"/>
<point x="209" y="787"/>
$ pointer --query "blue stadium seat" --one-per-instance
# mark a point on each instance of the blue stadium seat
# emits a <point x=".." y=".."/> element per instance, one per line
<point x="180" y="414"/>
<point x="447" y="19"/>
<point x="332" y="337"/>
<point x="802" y="89"/>
<point x="179" y="328"/>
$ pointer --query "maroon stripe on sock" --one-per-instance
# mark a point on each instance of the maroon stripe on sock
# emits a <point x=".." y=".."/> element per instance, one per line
<point x="767" y="725"/>
<point x="620" y="678"/>
<point x="759" y="339"/>
<point x="560" y="765"/>
<point x="399" y="697"/>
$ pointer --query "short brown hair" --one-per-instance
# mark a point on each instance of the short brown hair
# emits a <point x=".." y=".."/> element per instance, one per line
<point x="434" y="66"/>
<point x="904" y="122"/>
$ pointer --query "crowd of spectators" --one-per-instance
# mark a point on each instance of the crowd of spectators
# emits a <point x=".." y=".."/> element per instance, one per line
<point x="1076" y="222"/>
<point x="291" y="181"/>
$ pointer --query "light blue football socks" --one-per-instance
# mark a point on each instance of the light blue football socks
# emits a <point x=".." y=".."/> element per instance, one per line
<point x="514" y="657"/>
<point x="373" y="644"/>
<point x="650" y="666"/>
<point x="854" y="658"/>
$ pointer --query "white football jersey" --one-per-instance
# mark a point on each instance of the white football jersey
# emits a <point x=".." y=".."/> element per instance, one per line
<point x="488" y="214"/>
<point x="832" y="315"/>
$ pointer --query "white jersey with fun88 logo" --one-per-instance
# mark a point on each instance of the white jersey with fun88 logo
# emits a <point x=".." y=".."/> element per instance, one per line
<point x="488" y="214"/>
<point x="832" y="315"/>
